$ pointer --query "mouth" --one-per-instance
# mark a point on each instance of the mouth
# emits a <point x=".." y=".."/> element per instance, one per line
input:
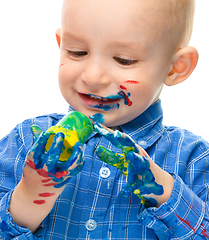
<point x="99" y="102"/>
<point x="106" y="103"/>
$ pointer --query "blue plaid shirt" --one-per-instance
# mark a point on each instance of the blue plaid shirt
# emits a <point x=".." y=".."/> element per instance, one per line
<point x="95" y="196"/>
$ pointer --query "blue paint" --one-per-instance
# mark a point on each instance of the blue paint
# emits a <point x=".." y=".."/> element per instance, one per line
<point x="119" y="95"/>
<point x="106" y="107"/>
<point x="60" y="172"/>
<point x="98" y="117"/>
<point x="140" y="179"/>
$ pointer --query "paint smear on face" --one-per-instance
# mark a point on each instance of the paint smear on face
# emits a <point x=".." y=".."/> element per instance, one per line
<point x="123" y="87"/>
<point x="127" y="101"/>
<point x="98" y="117"/>
<point x="106" y="107"/>
<point x="131" y="82"/>
<point x="61" y="65"/>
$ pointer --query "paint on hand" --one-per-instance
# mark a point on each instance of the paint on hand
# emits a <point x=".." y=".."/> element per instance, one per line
<point x="98" y="117"/>
<point x="76" y="127"/>
<point x="46" y="194"/>
<point x="39" y="202"/>
<point x="57" y="153"/>
<point x="140" y="179"/>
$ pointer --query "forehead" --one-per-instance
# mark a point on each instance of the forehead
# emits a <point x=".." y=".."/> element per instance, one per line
<point x="125" y="16"/>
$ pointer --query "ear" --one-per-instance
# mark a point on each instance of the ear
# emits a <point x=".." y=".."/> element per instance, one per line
<point x="183" y="64"/>
<point x="58" y="36"/>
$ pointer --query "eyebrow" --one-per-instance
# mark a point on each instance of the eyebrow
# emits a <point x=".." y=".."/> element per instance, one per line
<point x="128" y="44"/>
<point x="115" y="43"/>
<point x="73" y="36"/>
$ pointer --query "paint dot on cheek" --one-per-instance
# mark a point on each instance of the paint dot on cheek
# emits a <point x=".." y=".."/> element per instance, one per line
<point x="131" y="82"/>
<point x="39" y="202"/>
<point x="123" y="87"/>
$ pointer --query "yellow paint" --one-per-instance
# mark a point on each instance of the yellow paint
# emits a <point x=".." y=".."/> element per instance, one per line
<point x="71" y="138"/>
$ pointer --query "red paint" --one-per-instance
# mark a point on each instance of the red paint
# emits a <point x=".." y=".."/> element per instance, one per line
<point x="50" y="184"/>
<point x="131" y="82"/>
<point x="46" y="194"/>
<point x="61" y="65"/>
<point x="43" y="173"/>
<point x="61" y="174"/>
<point x="204" y="233"/>
<point x="129" y="102"/>
<point x="123" y="87"/>
<point x="186" y="222"/>
<point x="31" y="164"/>
<point x="46" y="180"/>
<point x="39" y="202"/>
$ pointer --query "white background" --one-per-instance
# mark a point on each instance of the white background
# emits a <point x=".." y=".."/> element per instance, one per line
<point x="29" y="61"/>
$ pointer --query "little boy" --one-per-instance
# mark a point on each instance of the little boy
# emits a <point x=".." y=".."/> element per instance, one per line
<point x="115" y="57"/>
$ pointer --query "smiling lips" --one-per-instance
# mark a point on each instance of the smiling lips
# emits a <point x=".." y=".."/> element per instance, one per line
<point x="91" y="99"/>
<point x="105" y="103"/>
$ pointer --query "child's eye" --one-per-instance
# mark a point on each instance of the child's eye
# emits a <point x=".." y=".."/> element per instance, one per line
<point x="77" y="53"/>
<point x="125" y="62"/>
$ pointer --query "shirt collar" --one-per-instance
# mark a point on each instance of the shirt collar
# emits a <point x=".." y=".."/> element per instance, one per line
<point x="145" y="129"/>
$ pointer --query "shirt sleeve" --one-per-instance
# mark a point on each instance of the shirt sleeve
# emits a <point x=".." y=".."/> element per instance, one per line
<point x="13" y="150"/>
<point x="183" y="216"/>
<point x="186" y="213"/>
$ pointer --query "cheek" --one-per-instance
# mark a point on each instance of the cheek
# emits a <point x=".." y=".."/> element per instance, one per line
<point x="65" y="77"/>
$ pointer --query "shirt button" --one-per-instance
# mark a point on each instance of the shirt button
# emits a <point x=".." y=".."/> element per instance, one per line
<point x="141" y="142"/>
<point x="104" y="172"/>
<point x="91" y="225"/>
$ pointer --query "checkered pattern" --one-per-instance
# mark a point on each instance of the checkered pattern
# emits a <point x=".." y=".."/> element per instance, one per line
<point x="89" y="196"/>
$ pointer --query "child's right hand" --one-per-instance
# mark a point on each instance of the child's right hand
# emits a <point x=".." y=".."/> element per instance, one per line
<point x="44" y="179"/>
<point x="44" y="170"/>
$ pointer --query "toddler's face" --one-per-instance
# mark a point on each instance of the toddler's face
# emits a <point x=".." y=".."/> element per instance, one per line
<point x="113" y="60"/>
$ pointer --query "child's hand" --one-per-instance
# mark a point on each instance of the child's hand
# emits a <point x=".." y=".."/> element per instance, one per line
<point x="45" y="168"/>
<point x="144" y="177"/>
<point x="44" y="178"/>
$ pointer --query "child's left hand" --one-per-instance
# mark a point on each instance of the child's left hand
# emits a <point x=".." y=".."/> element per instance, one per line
<point x="144" y="178"/>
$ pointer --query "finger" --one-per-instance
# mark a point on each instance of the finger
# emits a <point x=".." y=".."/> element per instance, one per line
<point x="38" y="148"/>
<point x="36" y="131"/>
<point x="54" y="153"/>
<point x="114" y="159"/>
<point x="138" y="164"/>
<point x="117" y="138"/>
<point x="75" y="161"/>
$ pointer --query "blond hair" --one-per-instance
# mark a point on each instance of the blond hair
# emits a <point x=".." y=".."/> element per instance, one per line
<point x="178" y="21"/>
<point x="174" y="19"/>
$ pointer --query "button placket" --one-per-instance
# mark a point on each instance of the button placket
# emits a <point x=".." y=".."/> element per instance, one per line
<point x="104" y="172"/>
<point x="91" y="225"/>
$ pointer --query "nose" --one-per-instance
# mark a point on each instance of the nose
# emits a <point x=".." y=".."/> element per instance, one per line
<point x="95" y="72"/>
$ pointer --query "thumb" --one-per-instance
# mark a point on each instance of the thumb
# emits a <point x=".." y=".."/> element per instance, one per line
<point x="36" y="131"/>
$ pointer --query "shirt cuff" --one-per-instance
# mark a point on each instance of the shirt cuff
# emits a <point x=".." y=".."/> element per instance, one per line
<point x="178" y="218"/>
<point x="8" y="228"/>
